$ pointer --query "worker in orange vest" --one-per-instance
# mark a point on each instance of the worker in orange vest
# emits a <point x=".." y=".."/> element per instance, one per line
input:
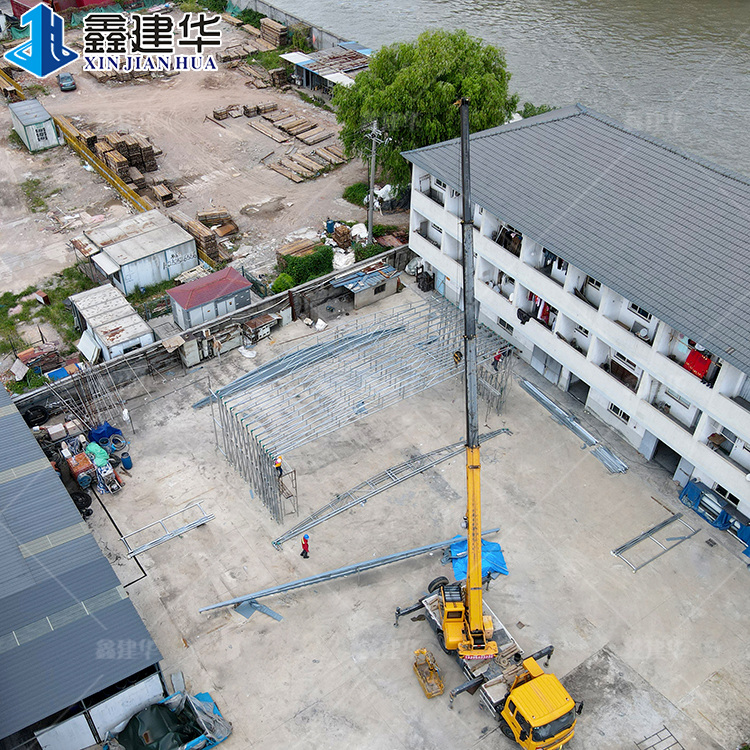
<point x="305" y="547"/>
<point x="277" y="464"/>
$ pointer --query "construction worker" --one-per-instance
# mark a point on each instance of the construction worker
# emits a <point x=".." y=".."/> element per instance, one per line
<point x="277" y="464"/>
<point x="496" y="359"/>
<point x="305" y="547"/>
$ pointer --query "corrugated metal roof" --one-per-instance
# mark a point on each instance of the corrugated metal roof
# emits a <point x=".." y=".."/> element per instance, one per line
<point x="54" y="651"/>
<point x="110" y="315"/>
<point x="366" y="278"/>
<point x="208" y="289"/>
<point x="662" y="227"/>
<point x="29" y="112"/>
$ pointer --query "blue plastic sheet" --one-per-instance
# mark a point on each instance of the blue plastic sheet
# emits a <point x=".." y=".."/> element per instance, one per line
<point x="493" y="561"/>
<point x="103" y="430"/>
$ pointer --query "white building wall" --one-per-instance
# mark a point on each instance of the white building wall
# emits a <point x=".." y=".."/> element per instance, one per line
<point x="612" y="324"/>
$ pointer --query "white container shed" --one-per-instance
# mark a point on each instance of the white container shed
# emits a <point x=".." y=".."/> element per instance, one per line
<point x="140" y="251"/>
<point x="34" y="125"/>
<point x="109" y="323"/>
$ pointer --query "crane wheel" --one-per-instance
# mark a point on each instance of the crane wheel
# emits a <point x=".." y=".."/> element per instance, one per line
<point x="441" y="641"/>
<point x="438" y="583"/>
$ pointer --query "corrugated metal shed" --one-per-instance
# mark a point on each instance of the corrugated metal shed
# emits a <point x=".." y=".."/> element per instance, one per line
<point x="110" y="315"/>
<point x="138" y="236"/>
<point x="29" y="112"/>
<point x="366" y="277"/>
<point x="662" y="227"/>
<point x="208" y="289"/>
<point x="54" y="650"/>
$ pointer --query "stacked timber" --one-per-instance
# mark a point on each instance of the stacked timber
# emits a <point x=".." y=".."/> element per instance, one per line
<point x="278" y="77"/>
<point x="221" y="114"/>
<point x="250" y="29"/>
<point x="137" y="178"/>
<point x="147" y="155"/>
<point x="214" y="217"/>
<point x="117" y="142"/>
<point x="87" y="138"/>
<point x="273" y="32"/>
<point x="164" y="194"/>
<point x="266" y="107"/>
<point x="231" y="20"/>
<point x="101" y="148"/>
<point x="117" y="163"/>
<point x="132" y="150"/>
<point x="205" y="240"/>
<point x="296" y="249"/>
<point x="342" y="235"/>
<point x="249" y="110"/>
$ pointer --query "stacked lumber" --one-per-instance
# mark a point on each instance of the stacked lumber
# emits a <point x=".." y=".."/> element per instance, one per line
<point x="221" y="114"/>
<point x="72" y="129"/>
<point x="266" y="107"/>
<point x="327" y="155"/>
<point x="8" y="69"/>
<point x="164" y="194"/>
<point x="316" y="135"/>
<point x="205" y="239"/>
<point x="296" y="249"/>
<point x="256" y="44"/>
<point x="250" y="29"/>
<point x="278" y="77"/>
<point x="295" y="167"/>
<point x="137" y="178"/>
<point x="117" y="163"/>
<point x="101" y="148"/>
<point x="273" y="32"/>
<point x="342" y="235"/>
<point x="296" y="125"/>
<point x="285" y="172"/>
<point x="101" y="76"/>
<point x="269" y="130"/>
<point x="214" y="216"/>
<point x="87" y="138"/>
<point x="274" y="115"/>
<point x="235" y="52"/>
<point x="231" y="19"/>
<point x="255" y="80"/>
<point x="117" y="142"/>
<point x="249" y="110"/>
<point x="147" y="156"/>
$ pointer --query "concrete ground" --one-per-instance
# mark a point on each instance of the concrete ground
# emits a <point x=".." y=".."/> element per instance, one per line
<point x="664" y="647"/>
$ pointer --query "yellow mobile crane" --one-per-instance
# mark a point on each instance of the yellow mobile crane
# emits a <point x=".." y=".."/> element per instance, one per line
<point x="531" y="706"/>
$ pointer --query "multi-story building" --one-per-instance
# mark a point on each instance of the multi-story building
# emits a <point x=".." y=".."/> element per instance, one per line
<point x="619" y="267"/>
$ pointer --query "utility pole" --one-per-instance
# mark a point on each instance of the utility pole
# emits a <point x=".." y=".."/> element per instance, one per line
<point x="377" y="137"/>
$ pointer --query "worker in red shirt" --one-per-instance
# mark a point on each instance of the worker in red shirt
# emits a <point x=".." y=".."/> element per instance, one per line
<point x="496" y="360"/>
<point x="305" y="547"/>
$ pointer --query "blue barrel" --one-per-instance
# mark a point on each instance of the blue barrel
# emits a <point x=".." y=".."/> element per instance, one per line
<point x="84" y="480"/>
<point x="127" y="462"/>
<point x="330" y="226"/>
<point x="104" y="442"/>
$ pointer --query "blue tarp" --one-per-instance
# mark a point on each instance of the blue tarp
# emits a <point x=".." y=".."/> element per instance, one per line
<point x="103" y="430"/>
<point x="492" y="558"/>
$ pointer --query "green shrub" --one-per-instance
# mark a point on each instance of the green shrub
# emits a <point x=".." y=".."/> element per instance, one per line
<point x="30" y="381"/>
<point x="251" y="16"/>
<point x="283" y="282"/>
<point x="356" y="193"/>
<point x="217" y="6"/>
<point x="363" y="252"/>
<point x="310" y="266"/>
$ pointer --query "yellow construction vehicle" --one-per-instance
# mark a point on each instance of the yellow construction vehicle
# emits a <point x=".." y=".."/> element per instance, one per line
<point x="531" y="706"/>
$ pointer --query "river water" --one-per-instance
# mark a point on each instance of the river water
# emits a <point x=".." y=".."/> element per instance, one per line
<point x="678" y="69"/>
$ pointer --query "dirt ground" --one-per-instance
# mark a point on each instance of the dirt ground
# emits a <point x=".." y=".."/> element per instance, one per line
<point x="209" y="165"/>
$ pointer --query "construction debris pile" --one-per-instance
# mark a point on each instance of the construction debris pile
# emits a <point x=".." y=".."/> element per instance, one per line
<point x="208" y="228"/>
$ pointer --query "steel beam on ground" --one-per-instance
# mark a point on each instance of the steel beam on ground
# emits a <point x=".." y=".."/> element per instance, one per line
<point x="392" y="476"/>
<point x="332" y="575"/>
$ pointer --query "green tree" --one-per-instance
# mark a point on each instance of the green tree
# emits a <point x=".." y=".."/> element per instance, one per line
<point x="283" y="282"/>
<point x="530" y="110"/>
<point x="411" y="88"/>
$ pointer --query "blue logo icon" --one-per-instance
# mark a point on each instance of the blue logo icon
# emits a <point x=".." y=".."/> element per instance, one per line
<point x="45" y="52"/>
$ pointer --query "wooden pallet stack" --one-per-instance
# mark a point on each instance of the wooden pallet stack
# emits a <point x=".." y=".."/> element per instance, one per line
<point x="273" y="32"/>
<point x="101" y="148"/>
<point x="205" y="240"/>
<point x="279" y="77"/>
<point x="214" y="217"/>
<point x="117" y="142"/>
<point x="342" y="235"/>
<point x="266" y="107"/>
<point x="148" y="155"/>
<point x="87" y="138"/>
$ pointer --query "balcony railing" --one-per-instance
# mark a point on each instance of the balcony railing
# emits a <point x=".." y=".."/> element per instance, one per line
<point x="573" y="344"/>
<point x="618" y="372"/>
<point x="425" y="234"/>
<point x="435" y="195"/>
<point x="666" y="409"/>
<point x="723" y="446"/>
<point x="509" y="239"/>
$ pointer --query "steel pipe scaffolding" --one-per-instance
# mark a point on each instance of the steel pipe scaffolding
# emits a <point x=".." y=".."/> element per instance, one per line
<point x="347" y="374"/>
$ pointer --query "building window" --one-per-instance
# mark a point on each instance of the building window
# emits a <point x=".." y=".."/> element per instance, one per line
<point x="379" y="289"/>
<point x="41" y="134"/>
<point x="627" y="362"/>
<point x="505" y="326"/>
<point x="440" y="183"/>
<point x="676" y="397"/>
<point x="639" y="311"/>
<point x="719" y="490"/>
<point x="592" y="282"/>
<point x="583" y="331"/>
<point x="619" y="413"/>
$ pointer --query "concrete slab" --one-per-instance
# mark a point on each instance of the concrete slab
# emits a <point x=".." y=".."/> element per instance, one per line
<point x="666" y="645"/>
